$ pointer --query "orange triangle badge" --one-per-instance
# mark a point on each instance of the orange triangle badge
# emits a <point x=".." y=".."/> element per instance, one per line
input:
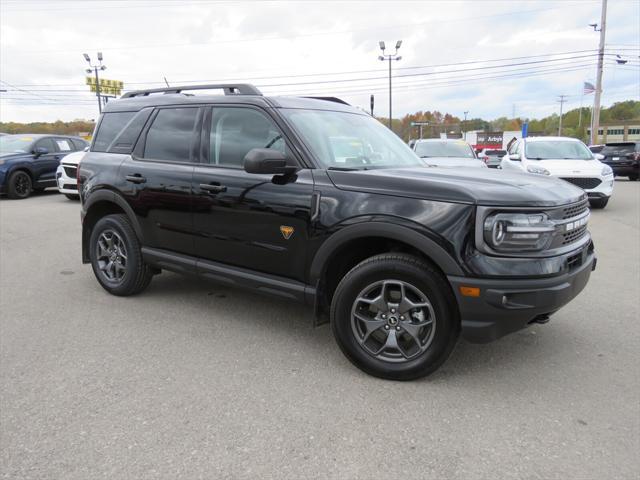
<point x="286" y="231"/>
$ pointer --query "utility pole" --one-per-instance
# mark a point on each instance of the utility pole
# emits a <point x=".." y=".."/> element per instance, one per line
<point x="390" y="58"/>
<point x="94" y="69"/>
<point x="561" y="100"/>
<point x="419" y="125"/>
<point x="464" y="125"/>
<point x="595" y="122"/>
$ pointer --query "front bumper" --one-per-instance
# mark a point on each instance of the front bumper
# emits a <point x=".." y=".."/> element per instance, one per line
<point x="65" y="183"/>
<point x="506" y="306"/>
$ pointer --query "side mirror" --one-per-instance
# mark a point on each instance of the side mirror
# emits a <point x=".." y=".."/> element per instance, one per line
<point x="40" y="151"/>
<point x="267" y="161"/>
<point x="599" y="156"/>
<point x="514" y="157"/>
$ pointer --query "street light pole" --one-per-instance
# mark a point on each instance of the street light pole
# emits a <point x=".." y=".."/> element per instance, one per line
<point x="561" y="100"/>
<point x="94" y="69"/>
<point x="390" y="58"/>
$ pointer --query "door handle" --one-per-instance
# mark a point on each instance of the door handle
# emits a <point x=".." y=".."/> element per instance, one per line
<point x="210" y="188"/>
<point x="136" y="178"/>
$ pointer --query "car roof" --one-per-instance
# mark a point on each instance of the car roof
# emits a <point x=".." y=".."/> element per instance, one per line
<point x="431" y="140"/>
<point x="137" y="103"/>
<point x="550" y="139"/>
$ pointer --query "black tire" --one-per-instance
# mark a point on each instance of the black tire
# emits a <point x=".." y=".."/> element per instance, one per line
<point x="137" y="274"/>
<point x="599" y="203"/>
<point x="19" y="185"/>
<point x="413" y="273"/>
<point x="633" y="177"/>
<point x="71" y="196"/>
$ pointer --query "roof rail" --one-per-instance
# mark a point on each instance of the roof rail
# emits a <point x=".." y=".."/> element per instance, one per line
<point x="229" y="89"/>
<point x="330" y="99"/>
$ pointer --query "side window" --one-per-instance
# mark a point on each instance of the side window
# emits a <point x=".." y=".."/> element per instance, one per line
<point x="235" y="131"/>
<point x="170" y="135"/>
<point x="46" y="143"/>
<point x="64" y="145"/>
<point x="109" y="127"/>
<point x="78" y="144"/>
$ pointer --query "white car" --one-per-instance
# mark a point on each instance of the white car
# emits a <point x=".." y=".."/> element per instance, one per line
<point x="66" y="174"/>
<point x="447" y="152"/>
<point x="565" y="158"/>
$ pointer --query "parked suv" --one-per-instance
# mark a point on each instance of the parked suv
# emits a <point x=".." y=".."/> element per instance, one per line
<point x="28" y="162"/>
<point x="314" y="201"/>
<point x="623" y="158"/>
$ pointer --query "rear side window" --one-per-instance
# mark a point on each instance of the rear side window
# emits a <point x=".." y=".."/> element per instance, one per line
<point x="64" y="145"/>
<point x="78" y="144"/>
<point x="170" y="136"/>
<point x="110" y="126"/>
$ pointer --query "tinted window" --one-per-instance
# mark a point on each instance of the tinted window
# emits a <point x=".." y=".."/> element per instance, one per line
<point x="618" y="148"/>
<point x="235" y="131"/>
<point x="46" y="143"/>
<point x="79" y="144"/>
<point x="127" y="138"/>
<point x="110" y="125"/>
<point x="171" y="135"/>
<point x="495" y="153"/>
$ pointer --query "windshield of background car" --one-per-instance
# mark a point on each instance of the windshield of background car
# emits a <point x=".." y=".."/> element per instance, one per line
<point x="444" y="149"/>
<point x="496" y="153"/>
<point x="345" y="140"/>
<point x="557" y="150"/>
<point x="16" y="143"/>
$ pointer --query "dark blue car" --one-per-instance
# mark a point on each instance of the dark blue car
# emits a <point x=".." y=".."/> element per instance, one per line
<point x="28" y="162"/>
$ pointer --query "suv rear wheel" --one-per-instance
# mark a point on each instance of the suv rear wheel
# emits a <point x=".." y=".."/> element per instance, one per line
<point x="394" y="317"/>
<point x="116" y="258"/>
<point x="19" y="185"/>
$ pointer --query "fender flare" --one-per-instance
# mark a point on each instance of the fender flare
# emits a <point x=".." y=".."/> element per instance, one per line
<point x="386" y="230"/>
<point x="112" y="197"/>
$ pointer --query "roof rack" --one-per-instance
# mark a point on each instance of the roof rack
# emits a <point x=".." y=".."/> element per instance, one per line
<point x="330" y="99"/>
<point x="229" y="89"/>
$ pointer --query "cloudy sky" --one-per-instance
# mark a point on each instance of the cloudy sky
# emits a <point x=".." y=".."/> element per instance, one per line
<point x="490" y="58"/>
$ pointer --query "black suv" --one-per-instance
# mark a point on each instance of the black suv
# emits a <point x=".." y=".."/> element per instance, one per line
<point x="623" y="158"/>
<point x="315" y="201"/>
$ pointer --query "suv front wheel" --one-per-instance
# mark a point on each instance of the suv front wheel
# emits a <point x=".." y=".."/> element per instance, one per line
<point x="116" y="258"/>
<point x="394" y="316"/>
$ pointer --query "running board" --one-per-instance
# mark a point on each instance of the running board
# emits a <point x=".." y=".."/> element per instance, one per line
<point x="272" y="285"/>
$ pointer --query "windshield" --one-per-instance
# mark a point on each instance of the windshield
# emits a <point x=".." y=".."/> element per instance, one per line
<point x="557" y="150"/>
<point x="458" y="149"/>
<point x="15" y="144"/>
<point x="348" y="141"/>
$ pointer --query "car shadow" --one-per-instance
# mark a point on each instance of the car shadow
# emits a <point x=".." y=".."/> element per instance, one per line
<point x="509" y="358"/>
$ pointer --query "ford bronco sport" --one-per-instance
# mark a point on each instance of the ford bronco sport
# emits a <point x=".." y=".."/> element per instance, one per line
<point x="313" y="200"/>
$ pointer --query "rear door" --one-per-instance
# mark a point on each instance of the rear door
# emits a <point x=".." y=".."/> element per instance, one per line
<point x="157" y="177"/>
<point x="259" y="222"/>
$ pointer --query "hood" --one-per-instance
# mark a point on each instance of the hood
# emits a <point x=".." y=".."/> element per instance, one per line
<point x="73" y="158"/>
<point x="571" y="167"/>
<point x="455" y="162"/>
<point x="484" y="186"/>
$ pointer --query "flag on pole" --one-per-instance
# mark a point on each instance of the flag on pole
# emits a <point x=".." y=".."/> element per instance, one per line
<point x="588" y="88"/>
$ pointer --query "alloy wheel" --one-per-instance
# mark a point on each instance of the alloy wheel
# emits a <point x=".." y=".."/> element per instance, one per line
<point x="111" y="256"/>
<point x="393" y="321"/>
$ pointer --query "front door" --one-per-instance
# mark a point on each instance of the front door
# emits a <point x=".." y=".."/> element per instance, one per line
<point x="259" y="222"/>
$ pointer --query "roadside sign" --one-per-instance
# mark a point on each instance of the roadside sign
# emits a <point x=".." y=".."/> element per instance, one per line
<point x="107" y="87"/>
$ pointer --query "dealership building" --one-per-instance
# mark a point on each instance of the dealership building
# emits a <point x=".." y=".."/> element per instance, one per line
<point x="617" y="132"/>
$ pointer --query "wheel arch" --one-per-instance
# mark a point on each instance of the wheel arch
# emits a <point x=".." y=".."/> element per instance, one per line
<point x="354" y="243"/>
<point x="98" y="205"/>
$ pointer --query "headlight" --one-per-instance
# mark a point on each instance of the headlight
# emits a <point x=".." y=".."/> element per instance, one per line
<point x="519" y="232"/>
<point x="606" y="170"/>
<point x="538" y="170"/>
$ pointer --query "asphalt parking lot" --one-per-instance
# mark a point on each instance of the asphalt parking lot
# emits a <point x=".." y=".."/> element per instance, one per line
<point x="191" y="380"/>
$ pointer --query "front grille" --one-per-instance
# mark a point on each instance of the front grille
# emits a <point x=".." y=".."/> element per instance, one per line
<point x="575" y="210"/>
<point x="70" y="171"/>
<point x="584" y="183"/>
<point x="574" y="235"/>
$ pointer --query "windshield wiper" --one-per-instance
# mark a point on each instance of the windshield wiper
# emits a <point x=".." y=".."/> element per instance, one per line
<point x="346" y="169"/>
